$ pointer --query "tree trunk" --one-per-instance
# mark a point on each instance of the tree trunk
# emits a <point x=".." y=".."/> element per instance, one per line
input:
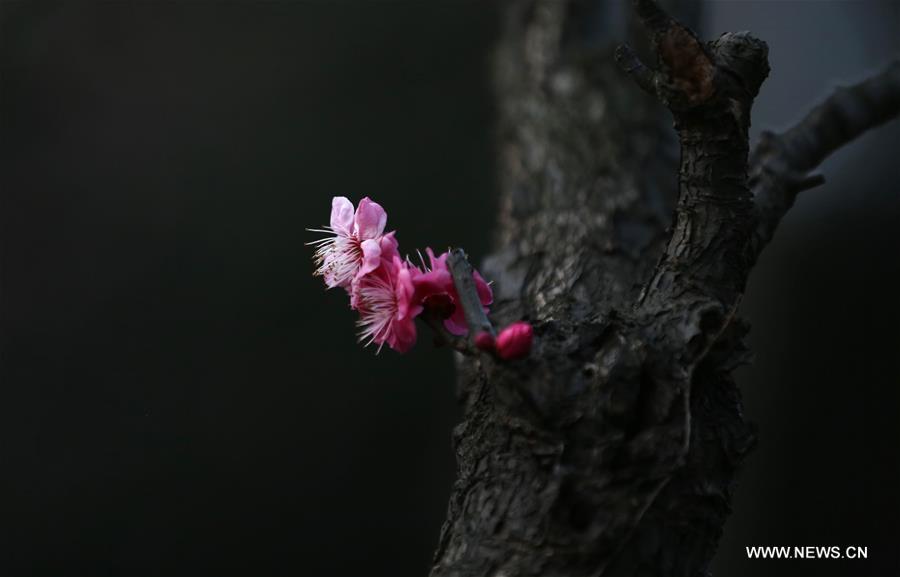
<point x="613" y="448"/>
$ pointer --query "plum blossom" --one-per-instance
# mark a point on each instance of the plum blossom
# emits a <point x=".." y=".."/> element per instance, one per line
<point x="354" y="245"/>
<point x="389" y="292"/>
<point x="385" y="299"/>
<point x="436" y="284"/>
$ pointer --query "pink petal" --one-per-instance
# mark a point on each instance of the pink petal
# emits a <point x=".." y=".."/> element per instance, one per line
<point x="456" y="323"/>
<point x="409" y="305"/>
<point x="485" y="294"/>
<point x="403" y="289"/>
<point x="402" y="335"/>
<point x="434" y="282"/>
<point x="389" y="246"/>
<point x="370" y="219"/>
<point x="439" y="262"/>
<point x="341" y="215"/>
<point x="371" y="250"/>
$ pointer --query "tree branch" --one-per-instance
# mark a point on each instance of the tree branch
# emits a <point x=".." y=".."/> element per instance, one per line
<point x="780" y="163"/>
<point x="687" y="72"/>
<point x="710" y="90"/>
<point x="645" y="77"/>
<point x="612" y="449"/>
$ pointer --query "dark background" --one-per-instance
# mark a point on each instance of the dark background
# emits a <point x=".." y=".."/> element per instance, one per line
<point x="179" y="396"/>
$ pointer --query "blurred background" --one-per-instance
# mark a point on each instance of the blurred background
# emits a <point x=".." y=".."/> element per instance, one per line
<point x="178" y="395"/>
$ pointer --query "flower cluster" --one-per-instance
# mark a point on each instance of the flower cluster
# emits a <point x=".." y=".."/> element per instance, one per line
<point x="388" y="291"/>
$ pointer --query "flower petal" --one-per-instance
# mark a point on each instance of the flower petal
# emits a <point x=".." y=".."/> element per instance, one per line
<point x="370" y="219"/>
<point x="403" y="335"/>
<point x="433" y="282"/>
<point x="408" y="306"/>
<point x="371" y="250"/>
<point x="456" y="322"/>
<point x="389" y="246"/>
<point x="485" y="294"/>
<point x="341" y="215"/>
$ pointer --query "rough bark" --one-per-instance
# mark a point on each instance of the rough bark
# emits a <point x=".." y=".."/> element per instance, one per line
<point x="613" y="448"/>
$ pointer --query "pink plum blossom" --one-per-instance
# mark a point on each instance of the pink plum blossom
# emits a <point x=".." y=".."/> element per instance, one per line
<point x="514" y="342"/>
<point x="385" y="299"/>
<point x="436" y="284"/>
<point x="389" y="292"/>
<point x="355" y="242"/>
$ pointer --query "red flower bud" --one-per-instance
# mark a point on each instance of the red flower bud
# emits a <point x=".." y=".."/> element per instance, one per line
<point x="485" y="341"/>
<point x="514" y="342"/>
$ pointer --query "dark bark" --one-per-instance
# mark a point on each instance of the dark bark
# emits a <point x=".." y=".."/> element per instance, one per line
<point x="612" y="449"/>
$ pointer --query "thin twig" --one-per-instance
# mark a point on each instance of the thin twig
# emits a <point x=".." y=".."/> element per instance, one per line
<point x="780" y="164"/>
<point x="464" y="280"/>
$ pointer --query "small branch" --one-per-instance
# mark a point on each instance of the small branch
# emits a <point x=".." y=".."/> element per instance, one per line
<point x="687" y="73"/>
<point x="463" y="278"/>
<point x="629" y="62"/>
<point x="709" y="88"/>
<point x="780" y="163"/>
